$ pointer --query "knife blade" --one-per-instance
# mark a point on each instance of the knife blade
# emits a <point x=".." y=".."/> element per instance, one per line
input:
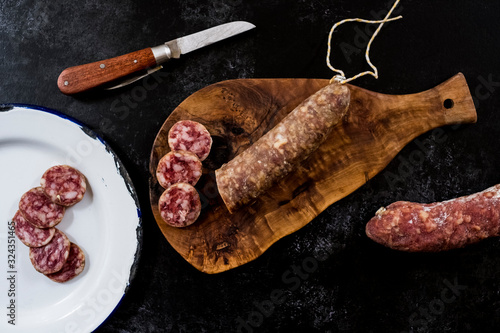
<point x="81" y="78"/>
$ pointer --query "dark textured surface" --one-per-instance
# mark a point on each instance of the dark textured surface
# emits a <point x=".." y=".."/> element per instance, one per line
<point x="353" y="284"/>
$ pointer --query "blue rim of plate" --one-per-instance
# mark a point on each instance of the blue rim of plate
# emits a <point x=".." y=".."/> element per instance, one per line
<point x="5" y="107"/>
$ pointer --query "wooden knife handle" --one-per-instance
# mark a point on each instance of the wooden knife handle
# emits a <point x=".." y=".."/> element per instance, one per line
<point x="81" y="78"/>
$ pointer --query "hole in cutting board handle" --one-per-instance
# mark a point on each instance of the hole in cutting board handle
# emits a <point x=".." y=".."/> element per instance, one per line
<point x="448" y="103"/>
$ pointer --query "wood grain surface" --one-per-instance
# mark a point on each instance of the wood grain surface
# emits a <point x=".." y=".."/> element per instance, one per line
<point x="81" y="78"/>
<point x="238" y="112"/>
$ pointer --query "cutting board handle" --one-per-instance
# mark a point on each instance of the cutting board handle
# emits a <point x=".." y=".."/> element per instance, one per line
<point x="446" y="104"/>
<point x="455" y="100"/>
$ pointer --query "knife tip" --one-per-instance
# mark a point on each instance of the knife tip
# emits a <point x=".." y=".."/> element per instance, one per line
<point x="248" y="24"/>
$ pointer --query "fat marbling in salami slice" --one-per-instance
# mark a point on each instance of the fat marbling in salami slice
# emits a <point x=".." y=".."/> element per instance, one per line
<point x="39" y="210"/>
<point x="30" y="235"/>
<point x="73" y="266"/>
<point x="180" y="205"/>
<point x="409" y="226"/>
<point x="64" y="185"/>
<point x="283" y="148"/>
<point x="178" y="167"/>
<point x="191" y="136"/>
<point x="51" y="258"/>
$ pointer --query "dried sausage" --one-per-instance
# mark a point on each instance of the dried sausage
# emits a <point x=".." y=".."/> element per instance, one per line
<point x="51" y="258"/>
<point x="64" y="185"/>
<point x="178" y="167"/>
<point x="73" y="266"/>
<point x="191" y="136"/>
<point x="30" y="235"/>
<point x="439" y="226"/>
<point x="283" y="148"/>
<point x="180" y="205"/>
<point x="39" y="210"/>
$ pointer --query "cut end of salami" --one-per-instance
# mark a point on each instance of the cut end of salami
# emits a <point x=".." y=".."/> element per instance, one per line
<point x="73" y="266"/>
<point x="440" y="226"/>
<point x="30" y="235"/>
<point x="64" y="185"/>
<point x="51" y="258"/>
<point x="178" y="167"/>
<point x="39" y="210"/>
<point x="180" y="205"/>
<point x="190" y="136"/>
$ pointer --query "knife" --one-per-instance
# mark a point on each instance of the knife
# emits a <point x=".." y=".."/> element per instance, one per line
<point x="84" y="77"/>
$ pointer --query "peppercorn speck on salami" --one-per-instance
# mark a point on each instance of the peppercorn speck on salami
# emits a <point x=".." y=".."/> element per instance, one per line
<point x="72" y="268"/>
<point x="51" y="258"/>
<point x="180" y="205"/>
<point x="30" y="235"/>
<point x="178" y="167"/>
<point x="191" y="136"/>
<point x="414" y="227"/>
<point x="64" y="185"/>
<point x="39" y="210"/>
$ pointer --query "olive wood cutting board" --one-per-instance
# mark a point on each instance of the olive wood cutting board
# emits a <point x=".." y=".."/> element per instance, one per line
<point x="238" y="112"/>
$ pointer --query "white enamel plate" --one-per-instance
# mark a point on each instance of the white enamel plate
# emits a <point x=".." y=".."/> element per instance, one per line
<point x="106" y="224"/>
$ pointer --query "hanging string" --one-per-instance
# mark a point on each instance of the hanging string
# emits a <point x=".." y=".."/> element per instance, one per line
<point x="340" y="78"/>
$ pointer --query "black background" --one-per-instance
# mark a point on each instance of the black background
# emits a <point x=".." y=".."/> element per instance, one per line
<point x="358" y="286"/>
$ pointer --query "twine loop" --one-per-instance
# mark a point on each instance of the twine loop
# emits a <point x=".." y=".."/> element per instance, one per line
<point x="341" y="77"/>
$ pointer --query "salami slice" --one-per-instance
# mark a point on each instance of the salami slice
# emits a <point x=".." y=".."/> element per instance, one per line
<point x="64" y="185"/>
<point x="30" y="235"/>
<point x="180" y="205"/>
<point x="39" y="210"/>
<point x="191" y="136"/>
<point x="73" y="266"/>
<point x="409" y="226"/>
<point x="51" y="258"/>
<point x="283" y="148"/>
<point x="178" y="167"/>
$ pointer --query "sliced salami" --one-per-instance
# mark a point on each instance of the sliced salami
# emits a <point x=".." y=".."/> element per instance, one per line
<point x="180" y="205"/>
<point x="51" y="258"/>
<point x="178" y="167"/>
<point x="191" y="136"/>
<point x="283" y="148"/>
<point x="73" y="266"/>
<point x="30" y="235"/>
<point x="39" y="210"/>
<point x="409" y="226"/>
<point x="64" y="185"/>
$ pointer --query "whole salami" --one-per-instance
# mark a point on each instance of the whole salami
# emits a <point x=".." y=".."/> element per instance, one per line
<point x="39" y="210"/>
<point x="64" y="185"/>
<point x="180" y="205"/>
<point x="191" y="136"/>
<point x="73" y="266"/>
<point x="439" y="226"/>
<point x="178" y="167"/>
<point x="51" y="258"/>
<point x="283" y="148"/>
<point x="30" y="235"/>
